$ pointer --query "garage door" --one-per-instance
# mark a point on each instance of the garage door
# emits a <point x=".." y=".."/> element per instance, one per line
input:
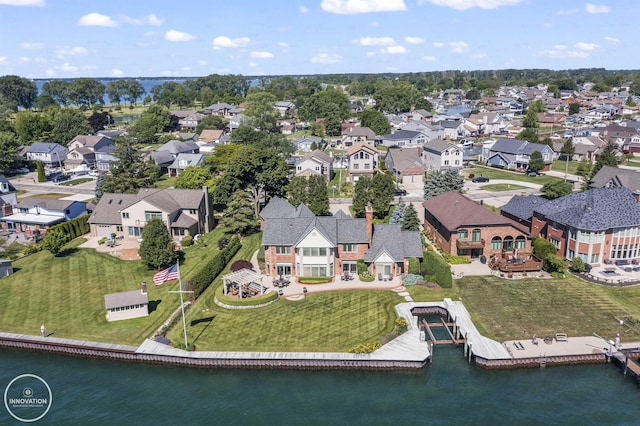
<point x="103" y="230"/>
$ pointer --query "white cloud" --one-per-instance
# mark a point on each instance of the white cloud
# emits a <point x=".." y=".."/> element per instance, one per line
<point x="224" y="41"/>
<point x="352" y="7"/>
<point x="560" y="51"/>
<point x="202" y="62"/>
<point x="479" y="55"/>
<point x="375" y="24"/>
<point x="261" y="55"/>
<point x="179" y="36"/>
<point x="371" y="54"/>
<point x="612" y="39"/>
<point x="64" y="51"/>
<point x="414" y="40"/>
<point x="68" y="68"/>
<point x="31" y="45"/>
<point x="563" y="12"/>
<point x="469" y="4"/>
<point x="326" y="58"/>
<point x="253" y="64"/>
<point x="283" y="45"/>
<point x="394" y="50"/>
<point x="596" y="8"/>
<point x="376" y="41"/>
<point x="458" y="46"/>
<point x="429" y="58"/>
<point x="438" y="44"/>
<point x="586" y="46"/>
<point x="24" y="59"/>
<point x="22" y="2"/>
<point x="151" y="19"/>
<point x="96" y="20"/>
<point x="3" y="59"/>
<point x="303" y="9"/>
<point x="117" y="73"/>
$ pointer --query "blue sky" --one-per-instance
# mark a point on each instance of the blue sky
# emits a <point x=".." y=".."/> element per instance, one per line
<point x="148" y="38"/>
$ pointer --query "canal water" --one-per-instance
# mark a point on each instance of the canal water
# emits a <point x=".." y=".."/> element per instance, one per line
<point x="449" y="391"/>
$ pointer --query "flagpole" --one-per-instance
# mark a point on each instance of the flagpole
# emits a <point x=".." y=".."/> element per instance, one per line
<point x="184" y="322"/>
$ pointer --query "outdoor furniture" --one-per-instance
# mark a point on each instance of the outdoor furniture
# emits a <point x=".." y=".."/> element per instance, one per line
<point x="379" y="277"/>
<point x="304" y="289"/>
<point x="561" y="337"/>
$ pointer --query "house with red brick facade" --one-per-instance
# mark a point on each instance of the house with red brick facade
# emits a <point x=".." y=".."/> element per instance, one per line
<point x="599" y="225"/>
<point x="299" y="243"/>
<point x="462" y="227"/>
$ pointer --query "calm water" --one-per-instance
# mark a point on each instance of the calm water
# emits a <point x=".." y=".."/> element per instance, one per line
<point x="449" y="391"/>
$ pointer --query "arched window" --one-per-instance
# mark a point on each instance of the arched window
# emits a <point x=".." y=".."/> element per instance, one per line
<point x="507" y="244"/>
<point x="520" y="242"/>
<point x="496" y="243"/>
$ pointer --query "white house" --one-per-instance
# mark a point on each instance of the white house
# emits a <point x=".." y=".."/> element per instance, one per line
<point x="51" y="154"/>
<point x="404" y="139"/>
<point x="441" y="155"/>
<point x="315" y="163"/>
<point x="363" y="160"/>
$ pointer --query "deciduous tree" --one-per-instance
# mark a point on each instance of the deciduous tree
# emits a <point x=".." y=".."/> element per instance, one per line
<point x="54" y="240"/>
<point x="568" y="149"/>
<point x="376" y="121"/>
<point x="536" y="162"/>
<point x="67" y="123"/>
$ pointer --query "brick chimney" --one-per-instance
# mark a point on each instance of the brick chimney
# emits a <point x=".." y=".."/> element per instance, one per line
<point x="144" y="287"/>
<point x="7" y="209"/>
<point x="368" y="214"/>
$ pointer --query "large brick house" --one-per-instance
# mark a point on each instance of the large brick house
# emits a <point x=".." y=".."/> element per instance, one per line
<point x="298" y="243"/>
<point x="462" y="227"/>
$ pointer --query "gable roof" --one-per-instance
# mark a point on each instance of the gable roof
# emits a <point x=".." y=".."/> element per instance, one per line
<point x="366" y="146"/>
<point x="190" y="159"/>
<point x="176" y="146"/>
<point x="359" y="131"/>
<point x="594" y="210"/>
<point x="396" y="243"/>
<point x="508" y="145"/>
<point x="454" y="210"/>
<point x="125" y="298"/>
<point x="522" y="207"/>
<point x="319" y="155"/>
<point x="210" y="135"/>
<point x="90" y="140"/>
<point x="45" y="147"/>
<point x="403" y="158"/>
<point x="46" y="203"/>
<point x="402" y="135"/>
<point x="614" y="176"/>
<point x="438" y="146"/>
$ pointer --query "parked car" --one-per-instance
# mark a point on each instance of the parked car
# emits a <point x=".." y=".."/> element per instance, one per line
<point x="400" y="192"/>
<point x="479" y="179"/>
<point x="533" y="174"/>
<point x="60" y="178"/>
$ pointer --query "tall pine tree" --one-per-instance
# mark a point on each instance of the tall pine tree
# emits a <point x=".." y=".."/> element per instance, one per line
<point x="411" y="221"/>
<point x="239" y="215"/>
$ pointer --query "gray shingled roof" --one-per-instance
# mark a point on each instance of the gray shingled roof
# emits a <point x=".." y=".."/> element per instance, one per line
<point x="43" y="147"/>
<point x="403" y="158"/>
<point x="437" y="146"/>
<point x="522" y="207"/>
<point x="597" y="209"/>
<point x="320" y="155"/>
<point x="508" y="145"/>
<point x="615" y="176"/>
<point x="176" y="146"/>
<point x="126" y="298"/>
<point x="48" y="204"/>
<point x="396" y="243"/>
<point x="401" y="135"/>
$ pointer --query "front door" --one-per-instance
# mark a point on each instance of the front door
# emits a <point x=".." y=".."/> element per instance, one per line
<point x="283" y="269"/>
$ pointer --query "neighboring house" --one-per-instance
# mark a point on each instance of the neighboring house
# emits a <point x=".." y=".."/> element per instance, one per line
<point x="6" y="268"/>
<point x="183" y="161"/>
<point x="167" y="153"/>
<point x="315" y="163"/>
<point x="442" y="155"/>
<point x="514" y="154"/>
<point x="51" y="154"/>
<point x="191" y="121"/>
<point x="431" y="131"/>
<point x="520" y="208"/>
<point x="362" y="160"/>
<point x="298" y="243"/>
<point x="597" y="225"/>
<point x="213" y="136"/>
<point x="462" y="227"/>
<point x="187" y="136"/>
<point x="127" y="304"/>
<point x="356" y="108"/>
<point x="485" y="123"/>
<point x="83" y="148"/>
<point x="405" y="164"/>
<point x="222" y="109"/>
<point x="547" y="118"/>
<point x="452" y="128"/>
<point x="356" y="134"/>
<point x="8" y="195"/>
<point x="285" y="107"/>
<point x="184" y="211"/>
<point x="35" y="215"/>
<point x="105" y="158"/>
<point x="612" y="177"/>
<point x="304" y="145"/>
<point x="404" y="139"/>
<point x="236" y="121"/>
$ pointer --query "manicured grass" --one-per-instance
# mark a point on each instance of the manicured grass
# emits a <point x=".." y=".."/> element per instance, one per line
<point x="496" y="187"/>
<point x="166" y="181"/>
<point x="48" y="195"/>
<point x="344" y="189"/>
<point x="631" y="163"/>
<point x="562" y="165"/>
<point x="76" y="181"/>
<point x="518" y="309"/>
<point x="67" y="295"/>
<point x="332" y="321"/>
<point x="493" y="173"/>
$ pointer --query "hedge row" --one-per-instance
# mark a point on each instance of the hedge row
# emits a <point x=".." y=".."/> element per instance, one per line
<point x="314" y="280"/>
<point x="73" y="228"/>
<point x="208" y="271"/>
<point x="434" y="264"/>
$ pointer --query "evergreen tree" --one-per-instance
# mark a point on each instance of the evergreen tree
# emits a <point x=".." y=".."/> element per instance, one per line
<point x="568" y="149"/>
<point x="584" y="167"/>
<point x="536" y="162"/>
<point x="99" y="186"/>
<point x="607" y="157"/>
<point x="42" y="177"/>
<point x="411" y="221"/>
<point x="130" y="172"/>
<point x="530" y="120"/>
<point x="437" y="183"/>
<point x="556" y="189"/>
<point x="157" y="249"/>
<point x="398" y="213"/>
<point x="239" y="215"/>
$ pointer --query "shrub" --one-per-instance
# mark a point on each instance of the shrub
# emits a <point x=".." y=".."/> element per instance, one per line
<point x="414" y="266"/>
<point x="208" y="271"/>
<point x="553" y="263"/>
<point x="578" y="265"/>
<point x="455" y="260"/>
<point x="434" y="264"/>
<point x="401" y="323"/>
<point x="314" y="280"/>
<point x="366" y="277"/>
<point x="187" y="240"/>
<point x="241" y="264"/>
<point x="411" y="279"/>
<point x="365" y="348"/>
<point x="102" y="240"/>
<point x="223" y="242"/>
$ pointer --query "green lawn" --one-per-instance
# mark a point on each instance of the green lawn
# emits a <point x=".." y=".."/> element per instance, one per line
<point x="493" y="173"/>
<point x="632" y="163"/>
<point x="48" y="195"/>
<point x="562" y="165"/>
<point x="343" y="188"/>
<point x="496" y="187"/>
<point x="76" y="181"/>
<point x="166" y="181"/>
<point x="332" y="321"/>
<point x="518" y="309"/>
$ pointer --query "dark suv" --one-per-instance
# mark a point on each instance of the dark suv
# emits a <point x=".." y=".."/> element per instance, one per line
<point x="60" y="178"/>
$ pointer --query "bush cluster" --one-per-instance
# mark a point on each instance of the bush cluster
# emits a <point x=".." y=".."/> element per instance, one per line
<point x="434" y="264"/>
<point x="455" y="260"/>
<point x="314" y="280"/>
<point x="411" y="279"/>
<point x="208" y="271"/>
<point x="73" y="228"/>
<point x="365" y="348"/>
<point x="414" y="266"/>
<point x="401" y="323"/>
<point x="241" y="264"/>
<point x="186" y="241"/>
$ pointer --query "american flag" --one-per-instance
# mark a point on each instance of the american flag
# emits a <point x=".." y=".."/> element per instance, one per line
<point x="169" y="274"/>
